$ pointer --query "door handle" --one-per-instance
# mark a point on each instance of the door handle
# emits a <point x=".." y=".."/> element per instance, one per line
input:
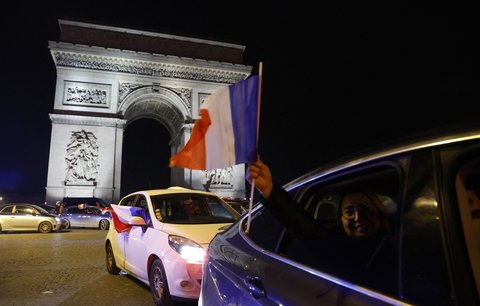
<point x="255" y="287"/>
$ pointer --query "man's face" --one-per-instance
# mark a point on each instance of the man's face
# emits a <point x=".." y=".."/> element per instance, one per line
<point x="189" y="206"/>
<point x="359" y="215"/>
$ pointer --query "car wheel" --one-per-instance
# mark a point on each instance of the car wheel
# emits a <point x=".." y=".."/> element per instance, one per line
<point x="158" y="284"/>
<point x="104" y="224"/>
<point x="110" y="260"/>
<point x="45" y="227"/>
<point x="66" y="224"/>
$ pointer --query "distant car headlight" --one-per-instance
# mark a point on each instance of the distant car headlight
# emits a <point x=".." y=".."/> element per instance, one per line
<point x="191" y="251"/>
<point x="57" y="219"/>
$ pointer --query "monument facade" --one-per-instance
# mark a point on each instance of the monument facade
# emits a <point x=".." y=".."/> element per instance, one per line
<point x="108" y="77"/>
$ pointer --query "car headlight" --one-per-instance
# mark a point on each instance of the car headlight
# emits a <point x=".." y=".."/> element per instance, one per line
<point x="191" y="251"/>
<point x="57" y="219"/>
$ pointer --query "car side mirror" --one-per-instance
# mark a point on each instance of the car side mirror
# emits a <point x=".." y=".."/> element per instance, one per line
<point x="136" y="221"/>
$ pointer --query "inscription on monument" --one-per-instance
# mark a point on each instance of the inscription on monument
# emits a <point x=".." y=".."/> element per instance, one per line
<point x="87" y="94"/>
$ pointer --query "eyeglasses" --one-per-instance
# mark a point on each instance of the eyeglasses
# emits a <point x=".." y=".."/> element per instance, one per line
<point x="365" y="208"/>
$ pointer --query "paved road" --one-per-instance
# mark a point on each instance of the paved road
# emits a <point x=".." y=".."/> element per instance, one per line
<point x="64" y="268"/>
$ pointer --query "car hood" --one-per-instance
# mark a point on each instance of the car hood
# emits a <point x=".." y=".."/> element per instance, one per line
<point x="200" y="233"/>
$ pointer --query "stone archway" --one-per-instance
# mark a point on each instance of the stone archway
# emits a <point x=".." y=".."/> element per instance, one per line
<point x="103" y="85"/>
<point x="145" y="156"/>
<point x="161" y="104"/>
<point x="156" y="102"/>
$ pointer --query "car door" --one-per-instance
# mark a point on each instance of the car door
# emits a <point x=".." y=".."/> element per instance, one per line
<point x="347" y="269"/>
<point x="75" y="216"/>
<point x="231" y="273"/>
<point x="330" y="269"/>
<point x="7" y="217"/>
<point x="273" y="279"/>
<point x="25" y="218"/>
<point x="123" y="236"/>
<point x="92" y="216"/>
<point x="136" y="241"/>
<point x="83" y="215"/>
<point x="247" y="273"/>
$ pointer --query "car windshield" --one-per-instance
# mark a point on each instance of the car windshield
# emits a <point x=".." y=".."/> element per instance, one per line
<point x="191" y="209"/>
<point x="240" y="207"/>
<point x="40" y="209"/>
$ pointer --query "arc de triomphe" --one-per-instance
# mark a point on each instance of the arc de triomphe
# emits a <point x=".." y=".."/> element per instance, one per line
<point x="108" y="77"/>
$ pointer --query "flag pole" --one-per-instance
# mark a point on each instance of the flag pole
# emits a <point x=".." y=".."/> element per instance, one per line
<point x="252" y="189"/>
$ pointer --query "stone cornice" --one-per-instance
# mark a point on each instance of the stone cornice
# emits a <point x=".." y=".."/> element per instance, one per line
<point x="64" y="22"/>
<point x="140" y="63"/>
<point x="87" y="120"/>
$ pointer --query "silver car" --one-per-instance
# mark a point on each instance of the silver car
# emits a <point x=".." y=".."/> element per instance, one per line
<point x="27" y="217"/>
<point x="90" y="216"/>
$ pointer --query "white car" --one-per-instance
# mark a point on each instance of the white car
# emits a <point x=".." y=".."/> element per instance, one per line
<point x="160" y="237"/>
<point x="27" y="217"/>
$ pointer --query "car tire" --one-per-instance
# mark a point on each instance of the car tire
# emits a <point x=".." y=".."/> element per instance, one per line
<point x="158" y="284"/>
<point x="45" y="227"/>
<point x="66" y="224"/>
<point x="104" y="224"/>
<point x="110" y="260"/>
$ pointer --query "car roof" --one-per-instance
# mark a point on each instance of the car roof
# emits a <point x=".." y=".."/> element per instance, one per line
<point x="19" y="203"/>
<point x="2" y="206"/>
<point x="82" y="199"/>
<point x="88" y="206"/>
<point x="432" y="138"/>
<point x="172" y="190"/>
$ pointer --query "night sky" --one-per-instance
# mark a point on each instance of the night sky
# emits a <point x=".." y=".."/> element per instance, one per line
<point x="336" y="79"/>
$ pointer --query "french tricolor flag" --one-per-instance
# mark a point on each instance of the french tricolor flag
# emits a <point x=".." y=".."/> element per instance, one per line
<point x="122" y="216"/>
<point x="226" y="134"/>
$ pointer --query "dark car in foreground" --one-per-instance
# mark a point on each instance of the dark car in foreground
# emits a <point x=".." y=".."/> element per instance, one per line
<point x="27" y="217"/>
<point x="430" y="188"/>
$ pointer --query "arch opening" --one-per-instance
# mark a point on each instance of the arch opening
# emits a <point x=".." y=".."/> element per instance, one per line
<point x="145" y="156"/>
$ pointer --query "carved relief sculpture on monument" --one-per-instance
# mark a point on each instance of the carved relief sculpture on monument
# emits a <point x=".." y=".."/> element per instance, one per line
<point x="82" y="158"/>
<point x="219" y="177"/>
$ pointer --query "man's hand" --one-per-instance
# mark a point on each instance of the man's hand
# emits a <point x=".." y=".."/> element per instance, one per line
<point x="260" y="172"/>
